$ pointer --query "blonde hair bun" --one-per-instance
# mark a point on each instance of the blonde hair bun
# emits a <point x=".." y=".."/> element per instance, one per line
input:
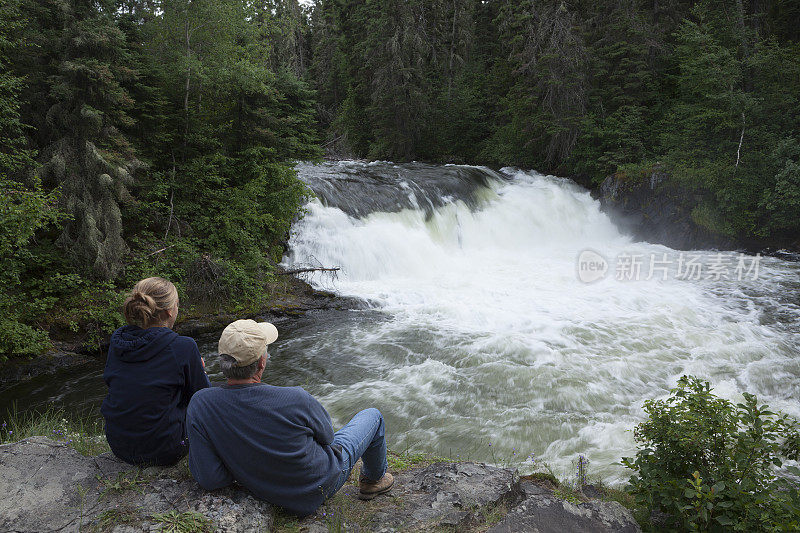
<point x="148" y="301"/>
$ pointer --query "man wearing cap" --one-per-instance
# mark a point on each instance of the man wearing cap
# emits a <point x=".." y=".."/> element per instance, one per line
<point x="278" y="442"/>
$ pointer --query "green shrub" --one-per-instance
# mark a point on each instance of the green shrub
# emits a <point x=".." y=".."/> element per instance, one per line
<point x="231" y="217"/>
<point x="711" y="465"/>
<point x="23" y="211"/>
<point x="68" y="302"/>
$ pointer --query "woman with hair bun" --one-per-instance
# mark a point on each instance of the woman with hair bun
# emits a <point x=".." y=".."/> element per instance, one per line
<point x="151" y="373"/>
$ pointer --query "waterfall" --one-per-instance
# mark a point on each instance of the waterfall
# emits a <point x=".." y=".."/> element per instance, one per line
<point x="481" y="331"/>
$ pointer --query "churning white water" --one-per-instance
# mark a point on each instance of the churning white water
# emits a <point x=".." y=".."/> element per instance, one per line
<point x="487" y="345"/>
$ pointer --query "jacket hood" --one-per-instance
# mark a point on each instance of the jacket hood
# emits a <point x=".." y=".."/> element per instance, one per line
<point x="132" y="343"/>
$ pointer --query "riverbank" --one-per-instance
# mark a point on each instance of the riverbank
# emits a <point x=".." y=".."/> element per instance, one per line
<point x="289" y="297"/>
<point x="72" y="492"/>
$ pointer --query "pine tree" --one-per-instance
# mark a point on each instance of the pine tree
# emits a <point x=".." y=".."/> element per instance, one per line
<point x="84" y="152"/>
<point x="282" y="26"/>
<point x="543" y="109"/>
<point x="394" y="58"/>
<point x="338" y="29"/>
<point x="622" y="98"/>
<point x="15" y="153"/>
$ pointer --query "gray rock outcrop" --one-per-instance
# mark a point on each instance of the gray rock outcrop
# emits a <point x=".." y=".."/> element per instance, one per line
<point x="47" y="486"/>
<point x="541" y="512"/>
<point x="656" y="209"/>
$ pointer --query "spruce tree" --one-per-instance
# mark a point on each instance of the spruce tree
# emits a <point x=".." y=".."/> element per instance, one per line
<point x="84" y="153"/>
<point x="546" y="56"/>
<point x="15" y="153"/>
<point x="622" y="100"/>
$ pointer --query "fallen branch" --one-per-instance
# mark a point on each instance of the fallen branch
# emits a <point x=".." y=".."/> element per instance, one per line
<point x="333" y="140"/>
<point x="304" y="270"/>
<point x="161" y="250"/>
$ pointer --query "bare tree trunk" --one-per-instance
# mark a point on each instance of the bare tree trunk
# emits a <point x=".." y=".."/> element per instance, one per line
<point x="745" y="46"/>
<point x="304" y="270"/>
<point x="452" y="52"/>
<point x="739" y="149"/>
<point x="186" y="90"/>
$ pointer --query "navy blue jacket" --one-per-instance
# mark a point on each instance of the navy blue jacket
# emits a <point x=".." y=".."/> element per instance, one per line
<point x="276" y="441"/>
<point x="151" y="375"/>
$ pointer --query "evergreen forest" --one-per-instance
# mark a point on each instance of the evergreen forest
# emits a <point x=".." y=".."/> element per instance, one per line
<point x="159" y="137"/>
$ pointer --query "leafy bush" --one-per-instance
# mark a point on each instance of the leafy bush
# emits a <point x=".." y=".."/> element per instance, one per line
<point x="710" y="465"/>
<point x="23" y="210"/>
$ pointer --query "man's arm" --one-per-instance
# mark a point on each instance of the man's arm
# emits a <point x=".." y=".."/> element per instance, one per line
<point x="206" y="466"/>
<point x="319" y="421"/>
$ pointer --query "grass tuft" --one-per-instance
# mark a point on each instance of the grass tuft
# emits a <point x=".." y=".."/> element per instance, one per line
<point x="565" y="492"/>
<point x="406" y="460"/>
<point x="115" y="516"/>
<point x="124" y="481"/>
<point x="542" y="476"/>
<point x="187" y="522"/>
<point x="85" y="435"/>
<point x="285" y="523"/>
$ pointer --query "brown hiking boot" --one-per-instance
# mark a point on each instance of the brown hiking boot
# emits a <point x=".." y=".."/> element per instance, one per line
<point x="369" y="489"/>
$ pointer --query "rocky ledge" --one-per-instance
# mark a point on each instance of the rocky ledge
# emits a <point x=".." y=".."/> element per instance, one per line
<point x="654" y="206"/>
<point x="48" y="486"/>
<point x="656" y="209"/>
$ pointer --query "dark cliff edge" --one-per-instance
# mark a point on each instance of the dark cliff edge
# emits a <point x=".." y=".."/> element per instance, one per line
<point x="657" y="209"/>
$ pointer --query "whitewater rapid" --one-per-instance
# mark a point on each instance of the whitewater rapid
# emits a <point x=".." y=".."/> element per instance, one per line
<point x="482" y="342"/>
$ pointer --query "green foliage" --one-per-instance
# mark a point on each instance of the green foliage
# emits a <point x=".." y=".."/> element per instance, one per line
<point x="285" y="523"/>
<point x="405" y="460"/>
<point x="23" y="211"/>
<point x="216" y="204"/>
<point x="165" y="135"/>
<point x="14" y="151"/>
<point x="548" y="57"/>
<point x="781" y="200"/>
<point x="115" y="516"/>
<point x="123" y="482"/>
<point x="230" y="219"/>
<point x="710" y="465"/>
<point x="83" y="152"/>
<point x="725" y="133"/>
<point x="567" y="494"/>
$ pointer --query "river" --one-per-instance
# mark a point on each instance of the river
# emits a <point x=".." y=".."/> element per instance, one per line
<point x="486" y="335"/>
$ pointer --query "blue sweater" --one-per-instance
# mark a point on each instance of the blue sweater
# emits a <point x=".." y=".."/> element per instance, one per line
<point x="276" y="441"/>
<point x="151" y="375"/>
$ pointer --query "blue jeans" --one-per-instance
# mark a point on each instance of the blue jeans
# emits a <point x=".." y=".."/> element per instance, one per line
<point x="365" y="437"/>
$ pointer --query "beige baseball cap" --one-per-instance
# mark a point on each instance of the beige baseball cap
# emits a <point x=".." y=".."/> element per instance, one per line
<point x="246" y="340"/>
